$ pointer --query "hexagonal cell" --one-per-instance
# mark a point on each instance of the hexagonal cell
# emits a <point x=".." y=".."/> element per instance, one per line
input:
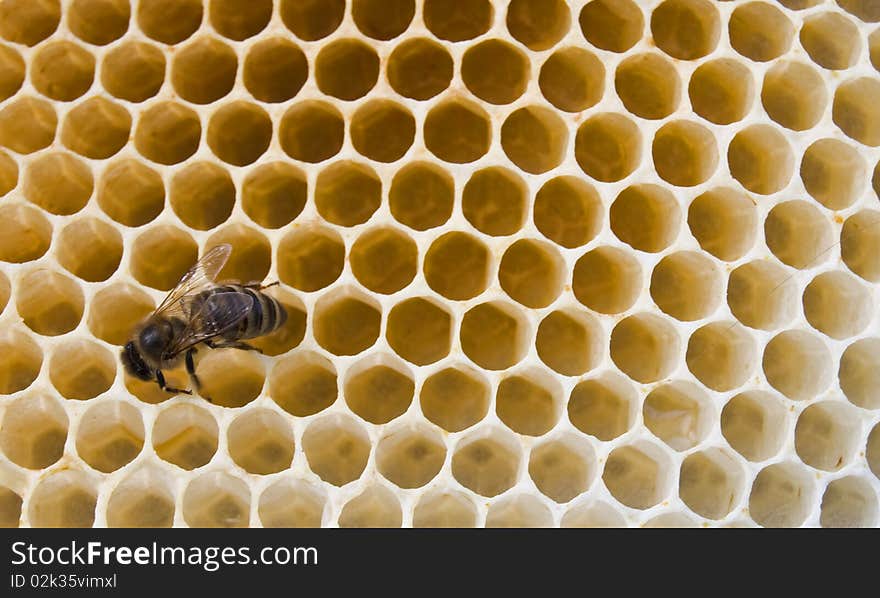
<point x="853" y="110"/>
<point x="346" y="69"/>
<point x="62" y="70"/>
<point x="303" y="383"/>
<point x="494" y="335"/>
<point x="347" y="322"/>
<point x="290" y="503"/>
<point x="860" y="244"/>
<point x="5" y="291"/>
<point x="685" y="153"/>
<point x="613" y="25"/>
<point x="379" y="388"/>
<point x="872" y="451"/>
<point x="27" y="125"/>
<point x="679" y="413"/>
<point x="754" y="423"/>
<point x="110" y="435"/>
<point x="487" y="462"/>
<point x="495" y="71"/>
<point x="722" y="355"/>
<point x="410" y="455"/>
<point x="384" y="260"/>
<point x="419" y="68"/>
<point x="218" y="500"/>
<point x="798" y="364"/>
<point x="827" y="434"/>
<point x="859" y="373"/>
<point x="375" y="507"/>
<point x="563" y="468"/>
<point x="10" y="508"/>
<point x="711" y="483"/>
<point x="519" y="511"/>
<point x="570" y="341"/>
<point x="22" y="360"/>
<point x="686" y="29"/>
<point x="8" y="173"/>
<point x="782" y="495"/>
<point x="455" y="398"/>
<point x="760" y="31"/>
<point x="161" y="255"/>
<point x="92" y="375"/>
<point x="90" y="249"/>
<point x="686" y="285"/>
<point x="168" y="132"/>
<point x="798" y="233"/>
<point x="239" y="132"/>
<point x="722" y="91"/>
<point x="760" y="158"/>
<point x="568" y="211"/>
<point x="185" y="435"/>
<point x="874" y="49"/>
<point x="169" y="21"/>
<point x="383" y="20"/>
<point x="25" y="233"/>
<point x="311" y="131"/>
<point x="494" y="201"/>
<point x="831" y="40"/>
<point x="724" y="222"/>
<point x="572" y="79"/>
<point x="275" y="69"/>
<point x="419" y="330"/>
<point x="63" y="499"/>
<point x="133" y="71"/>
<point x="347" y="193"/>
<point x="534" y="138"/>
<point x="457" y="266"/>
<point x="203" y="71"/>
<point x="849" y="502"/>
<point x="538" y="24"/>
<point x="59" y="183"/>
<point x="444" y="509"/>
<point x="202" y="195"/>
<point x="592" y="514"/>
<point x="531" y="273"/>
<point x="311" y="20"/>
<point x="12" y="69"/>
<point x="291" y="333"/>
<point x="604" y="407"/>
<point x="382" y="130"/>
<point x="130" y="192"/>
<point x="337" y="448"/>
<point x="864" y="10"/>
<point x="421" y="195"/>
<point x="762" y="295"/>
<point x="49" y="303"/>
<point x="794" y="95"/>
<point x="836" y="304"/>
<point x="645" y="347"/>
<point x="96" y="128"/>
<point x="457" y="131"/>
<point x="646" y="217"/>
<point x="608" y="147"/>
<point x="261" y="441"/>
<point x="34" y="431"/>
<point x="310" y="258"/>
<point x="251" y="254"/>
<point x="607" y="280"/>
<point x="230" y="377"/>
<point x="648" y="85"/>
<point x="273" y="194"/>
<point x="239" y="19"/>
<point x="29" y="22"/>
<point x="457" y="20"/>
<point x="144" y="499"/>
<point x="639" y="476"/>
<point x="529" y="402"/>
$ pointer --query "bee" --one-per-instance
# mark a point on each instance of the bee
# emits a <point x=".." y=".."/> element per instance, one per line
<point x="199" y="310"/>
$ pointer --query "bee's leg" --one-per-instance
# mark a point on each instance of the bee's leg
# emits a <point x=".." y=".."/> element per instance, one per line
<point x="233" y="345"/>
<point x="160" y="379"/>
<point x="191" y="369"/>
<point x="258" y="286"/>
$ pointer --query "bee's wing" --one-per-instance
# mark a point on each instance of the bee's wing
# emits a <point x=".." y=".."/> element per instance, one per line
<point x="218" y="313"/>
<point x="198" y="278"/>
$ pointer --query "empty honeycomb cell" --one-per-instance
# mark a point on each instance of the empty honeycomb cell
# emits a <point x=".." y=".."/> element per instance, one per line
<point x="531" y="273"/>
<point x="275" y="69"/>
<point x="534" y="138"/>
<point x="59" y="183"/>
<point x="311" y="131"/>
<point x="347" y="193"/>
<point x="457" y="131"/>
<point x="711" y="483"/>
<point x="594" y="514"/>
<point x="230" y="377"/>
<point x="204" y="70"/>
<point x="410" y="456"/>
<point x="639" y="475"/>
<point x="724" y="222"/>
<point x="383" y="20"/>
<point x="833" y="173"/>
<point x="849" y="502"/>
<point x="185" y="435"/>
<point x="754" y="424"/>
<point x="375" y="507"/>
<point x="419" y="68"/>
<point x="12" y="69"/>
<point x="607" y="280"/>
<point x="872" y="451"/>
<point x="149" y="392"/>
<point x="686" y="285"/>
<point x="613" y="25"/>
<point x="798" y="364"/>
<point x="494" y="335"/>
<point x="722" y="91"/>
<point x="455" y="398"/>
<point x="110" y="435"/>
<point x="444" y="509"/>
<point x="457" y="266"/>
<point x="22" y="363"/>
<point x="794" y="95"/>
<point x="685" y="153"/>
<point x="310" y="258"/>
<point x="261" y="441"/>
<point x="291" y="333"/>
<point x="251" y="253"/>
<point x="494" y="201"/>
<point x="798" y="234"/>
<point x="529" y="402"/>
<point x="25" y="233"/>
<point x="49" y="302"/>
<point x="538" y="24"/>
<point x="760" y="158"/>
<point x="27" y="125"/>
<point x="8" y="173"/>
<point x="62" y="70"/>
<point x="457" y="20"/>
<point x="420" y="330"/>
<point x="384" y="260"/>
<point x="29" y="22"/>
<point x="382" y="130"/>
<point x="686" y="29"/>
<point x="217" y="500"/>
<point x="722" y="355"/>
<point x="645" y="347"/>
<point x="303" y="383"/>
<point x="161" y="255"/>
<point x="347" y="322"/>
<point x="239" y="133"/>
<point x="346" y="69"/>
<point x="421" y="195"/>
<point x="760" y="31"/>
<point x="568" y="211"/>
<point x="5" y="291"/>
<point x="782" y="495"/>
<point x="836" y="304"/>
<point x="169" y="21"/>
<point x="495" y="71"/>
<point x="34" y="431"/>
<point x="572" y="79"/>
<point x="827" y="434"/>
<point x="202" y="195"/>
<point x="63" y="499"/>
<point x="874" y="48"/>
<point x="379" y="389"/>
<point x="520" y="511"/>
<point x="864" y="9"/>
<point x="570" y="341"/>
<point x="562" y="468"/>
<point x="679" y="413"/>
<point x="646" y="217"/>
<point x="859" y="373"/>
<point x="90" y="249"/>
<point x="337" y="448"/>
<point x="98" y="22"/>
<point x="239" y="19"/>
<point x="604" y="407"/>
<point x="168" y="133"/>
<point x="648" y="85"/>
<point x="487" y="462"/>
<point x="93" y="374"/>
<point x="799" y="4"/>
<point x="116" y="310"/>
<point x="133" y="71"/>
<point x="831" y="40"/>
<point x="311" y="20"/>
<point x="291" y="504"/>
<point x="10" y="508"/>
<point x="142" y="500"/>
<point x="854" y="110"/>
<point x="608" y="147"/>
<point x="762" y="295"/>
<point x="273" y="194"/>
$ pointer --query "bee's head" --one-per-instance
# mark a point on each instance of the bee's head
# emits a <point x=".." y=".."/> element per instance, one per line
<point x="134" y="363"/>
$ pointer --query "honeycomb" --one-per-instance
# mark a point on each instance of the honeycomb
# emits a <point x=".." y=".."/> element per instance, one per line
<point x="546" y="263"/>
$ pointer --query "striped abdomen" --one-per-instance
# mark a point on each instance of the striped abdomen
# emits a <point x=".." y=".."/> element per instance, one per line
<point x="266" y="315"/>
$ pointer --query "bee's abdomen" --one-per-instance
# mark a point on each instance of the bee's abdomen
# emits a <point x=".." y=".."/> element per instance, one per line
<point x="266" y="315"/>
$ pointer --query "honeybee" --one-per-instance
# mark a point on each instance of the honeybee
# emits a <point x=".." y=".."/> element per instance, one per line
<point x="200" y="310"/>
